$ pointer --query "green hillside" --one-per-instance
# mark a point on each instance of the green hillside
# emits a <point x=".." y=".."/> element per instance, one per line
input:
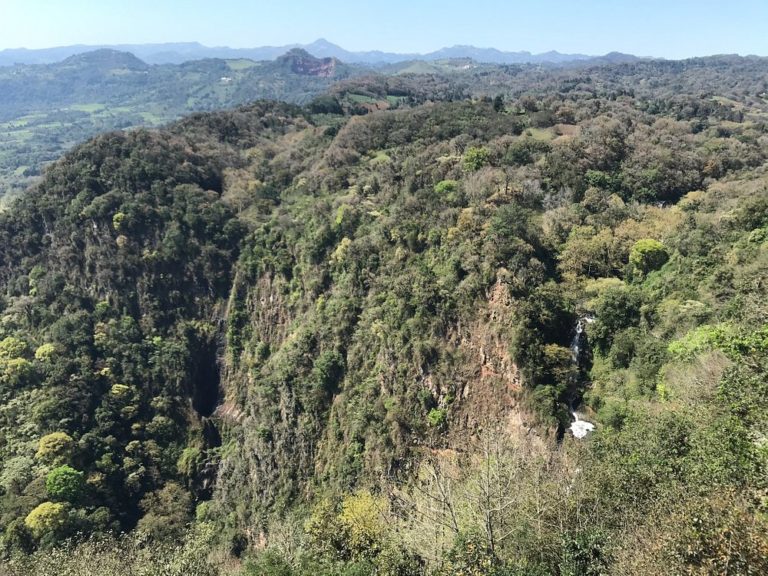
<point x="46" y="109"/>
<point x="353" y="337"/>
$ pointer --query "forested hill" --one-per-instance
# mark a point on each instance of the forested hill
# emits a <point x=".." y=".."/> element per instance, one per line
<point x="353" y="337"/>
<point x="46" y="109"/>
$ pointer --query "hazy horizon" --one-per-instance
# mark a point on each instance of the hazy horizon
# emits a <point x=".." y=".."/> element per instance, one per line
<point x="655" y="28"/>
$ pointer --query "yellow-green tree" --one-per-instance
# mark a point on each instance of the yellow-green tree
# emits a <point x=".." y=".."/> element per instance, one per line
<point x="47" y="517"/>
<point x="648" y="255"/>
<point x="362" y="515"/>
<point x="55" y="448"/>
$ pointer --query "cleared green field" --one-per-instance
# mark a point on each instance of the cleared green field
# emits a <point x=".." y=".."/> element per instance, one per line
<point x="242" y="64"/>
<point x="395" y="100"/>
<point x="90" y="108"/>
<point x="543" y="134"/>
<point x="361" y="99"/>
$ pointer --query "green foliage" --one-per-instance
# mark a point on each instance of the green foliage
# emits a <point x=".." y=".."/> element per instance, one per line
<point x="545" y="401"/>
<point x="616" y="309"/>
<point x="437" y="417"/>
<point x="45" y="352"/>
<point x="362" y="518"/>
<point x="116" y="556"/>
<point x="699" y="340"/>
<point x="117" y="220"/>
<point x="190" y="461"/>
<point x="445" y="187"/>
<point x="359" y="532"/>
<point x="47" y="518"/>
<point x="471" y="555"/>
<point x="325" y="104"/>
<point x="54" y="448"/>
<point x="16" y="372"/>
<point x="584" y="554"/>
<point x="475" y="158"/>
<point x="65" y="483"/>
<point x="166" y="512"/>
<point x="525" y="151"/>
<point x="647" y="255"/>
<point x="557" y="365"/>
<point x="600" y="179"/>
<point x="743" y="388"/>
<point x="269" y="562"/>
<point x="590" y="253"/>
<point x="11" y="348"/>
<point x="624" y="347"/>
<point x="328" y="371"/>
<point x="614" y="412"/>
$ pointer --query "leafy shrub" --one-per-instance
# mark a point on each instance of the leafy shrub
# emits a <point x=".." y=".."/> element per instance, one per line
<point x="475" y="158"/>
<point x="471" y="556"/>
<point x="437" y="417"/>
<point x="623" y="348"/>
<point x="55" y="448"/>
<point x="362" y="515"/>
<point x="11" y="347"/>
<point x="65" y="483"/>
<point x="446" y="186"/>
<point x="616" y="309"/>
<point x="524" y="151"/>
<point x="613" y="413"/>
<point x="647" y="255"/>
<point x="584" y="554"/>
<point x="699" y="340"/>
<point x="45" y="352"/>
<point x="128" y="554"/>
<point x="48" y="517"/>
<point x="166" y="512"/>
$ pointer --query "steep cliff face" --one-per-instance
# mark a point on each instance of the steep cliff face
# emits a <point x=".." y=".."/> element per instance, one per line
<point x="119" y="265"/>
<point x="490" y="395"/>
<point x="303" y="63"/>
<point x="367" y="323"/>
<point x="304" y="307"/>
<point x="323" y="393"/>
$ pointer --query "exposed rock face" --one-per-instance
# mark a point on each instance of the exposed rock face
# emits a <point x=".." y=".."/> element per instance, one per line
<point x="491" y="388"/>
<point x="302" y="63"/>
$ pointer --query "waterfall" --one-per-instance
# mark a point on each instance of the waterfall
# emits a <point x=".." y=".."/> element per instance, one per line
<point x="579" y="348"/>
<point x="580" y="428"/>
<point x="579" y="341"/>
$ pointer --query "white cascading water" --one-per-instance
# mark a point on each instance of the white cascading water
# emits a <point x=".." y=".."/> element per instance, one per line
<point x="580" y="428"/>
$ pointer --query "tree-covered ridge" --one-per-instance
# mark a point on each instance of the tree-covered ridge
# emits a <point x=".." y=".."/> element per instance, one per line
<point x="47" y="109"/>
<point x="116" y="268"/>
<point x="339" y="342"/>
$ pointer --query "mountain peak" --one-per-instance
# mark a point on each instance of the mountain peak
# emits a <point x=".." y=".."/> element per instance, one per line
<point x="178" y="52"/>
<point x="295" y="53"/>
<point x="322" y="42"/>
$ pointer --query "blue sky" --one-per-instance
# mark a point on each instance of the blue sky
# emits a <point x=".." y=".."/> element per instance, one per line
<point x="666" y="28"/>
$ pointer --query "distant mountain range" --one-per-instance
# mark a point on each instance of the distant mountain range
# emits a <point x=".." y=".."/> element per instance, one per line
<point x="177" y="53"/>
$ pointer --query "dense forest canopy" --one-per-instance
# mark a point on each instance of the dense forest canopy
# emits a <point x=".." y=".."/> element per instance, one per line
<point x="351" y="335"/>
